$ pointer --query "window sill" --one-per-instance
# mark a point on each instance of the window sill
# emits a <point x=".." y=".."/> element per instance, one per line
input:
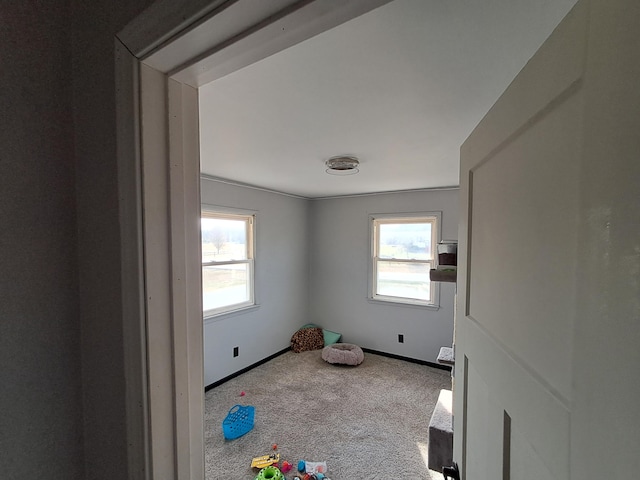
<point x="391" y="303"/>
<point x="216" y="317"/>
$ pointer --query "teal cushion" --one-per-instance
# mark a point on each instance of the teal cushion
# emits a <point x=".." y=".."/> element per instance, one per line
<point x="329" y="337"/>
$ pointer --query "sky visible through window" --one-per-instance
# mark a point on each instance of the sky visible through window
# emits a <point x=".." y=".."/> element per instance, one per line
<point x="405" y="240"/>
<point x="226" y="284"/>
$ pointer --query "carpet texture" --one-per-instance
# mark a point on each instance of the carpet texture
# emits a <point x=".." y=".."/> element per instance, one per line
<point x="369" y="421"/>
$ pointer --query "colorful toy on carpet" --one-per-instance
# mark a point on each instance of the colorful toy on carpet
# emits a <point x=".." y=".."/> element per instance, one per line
<point x="265" y="460"/>
<point x="315" y="467"/>
<point x="270" y="473"/>
<point x="312" y="470"/>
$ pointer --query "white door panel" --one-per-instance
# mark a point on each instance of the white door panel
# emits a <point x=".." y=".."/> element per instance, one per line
<point x="517" y="277"/>
<point x="484" y="422"/>
<point x="526" y="463"/>
<point x="523" y="292"/>
<point x="547" y="325"/>
<point x="541" y="417"/>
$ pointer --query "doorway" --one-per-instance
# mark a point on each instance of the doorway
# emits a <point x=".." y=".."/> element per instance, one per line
<point x="158" y="217"/>
<point x="157" y="112"/>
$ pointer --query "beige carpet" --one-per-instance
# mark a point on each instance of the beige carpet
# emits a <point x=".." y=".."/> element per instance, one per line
<point x="366" y="422"/>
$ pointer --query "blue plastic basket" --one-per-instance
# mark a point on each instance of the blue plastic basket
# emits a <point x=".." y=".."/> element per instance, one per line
<point x="238" y="421"/>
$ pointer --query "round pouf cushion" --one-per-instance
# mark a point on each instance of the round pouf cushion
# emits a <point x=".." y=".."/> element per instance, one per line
<point x="343" y="353"/>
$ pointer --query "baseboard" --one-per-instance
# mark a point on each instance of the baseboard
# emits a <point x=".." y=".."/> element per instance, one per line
<point x="409" y="359"/>
<point x="285" y="350"/>
<point x="246" y="369"/>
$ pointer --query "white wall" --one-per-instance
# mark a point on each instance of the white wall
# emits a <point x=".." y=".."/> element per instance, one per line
<point x="40" y="374"/>
<point x="340" y="247"/>
<point x="312" y="266"/>
<point x="281" y="280"/>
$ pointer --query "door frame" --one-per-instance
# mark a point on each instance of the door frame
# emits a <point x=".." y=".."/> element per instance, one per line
<point x="161" y="58"/>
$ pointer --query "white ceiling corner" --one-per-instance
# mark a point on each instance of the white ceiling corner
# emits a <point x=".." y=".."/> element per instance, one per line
<point x="400" y="87"/>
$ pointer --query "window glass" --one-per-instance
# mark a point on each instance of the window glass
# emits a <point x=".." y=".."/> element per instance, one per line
<point x="224" y="239"/>
<point x="407" y="280"/>
<point x="225" y="285"/>
<point x="227" y="262"/>
<point x="405" y="240"/>
<point x="402" y="255"/>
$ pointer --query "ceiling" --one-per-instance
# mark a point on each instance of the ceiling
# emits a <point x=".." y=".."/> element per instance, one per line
<point x="400" y="87"/>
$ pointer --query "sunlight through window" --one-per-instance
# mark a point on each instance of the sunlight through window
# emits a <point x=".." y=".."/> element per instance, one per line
<point x="423" y="448"/>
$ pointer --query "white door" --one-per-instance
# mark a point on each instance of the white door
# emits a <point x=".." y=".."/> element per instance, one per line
<point x="529" y="400"/>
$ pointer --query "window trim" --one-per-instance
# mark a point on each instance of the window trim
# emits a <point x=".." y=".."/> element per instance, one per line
<point x="216" y="211"/>
<point x="408" y="217"/>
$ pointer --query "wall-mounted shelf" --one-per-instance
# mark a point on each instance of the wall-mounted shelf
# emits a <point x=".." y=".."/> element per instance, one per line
<point x="443" y="275"/>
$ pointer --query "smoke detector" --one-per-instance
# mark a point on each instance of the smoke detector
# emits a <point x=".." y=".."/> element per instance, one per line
<point x="342" y="165"/>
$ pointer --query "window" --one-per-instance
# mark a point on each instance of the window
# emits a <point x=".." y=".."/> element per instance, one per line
<point x="402" y="254"/>
<point x="227" y="262"/>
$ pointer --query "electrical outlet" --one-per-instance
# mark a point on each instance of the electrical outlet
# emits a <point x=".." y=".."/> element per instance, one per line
<point x="236" y="351"/>
<point x="400" y="338"/>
